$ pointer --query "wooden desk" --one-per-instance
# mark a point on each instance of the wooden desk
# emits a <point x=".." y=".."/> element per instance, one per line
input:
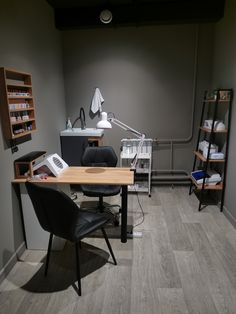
<point x="96" y="175"/>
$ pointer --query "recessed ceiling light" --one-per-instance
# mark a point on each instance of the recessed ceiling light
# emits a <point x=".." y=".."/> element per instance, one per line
<point x="106" y="16"/>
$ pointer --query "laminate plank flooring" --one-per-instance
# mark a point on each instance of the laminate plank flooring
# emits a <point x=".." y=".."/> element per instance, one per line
<point x="184" y="263"/>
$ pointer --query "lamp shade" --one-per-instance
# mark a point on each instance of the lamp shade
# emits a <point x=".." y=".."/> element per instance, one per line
<point x="104" y="123"/>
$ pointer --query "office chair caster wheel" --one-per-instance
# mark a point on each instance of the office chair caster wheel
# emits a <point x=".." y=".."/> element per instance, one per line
<point x="116" y="221"/>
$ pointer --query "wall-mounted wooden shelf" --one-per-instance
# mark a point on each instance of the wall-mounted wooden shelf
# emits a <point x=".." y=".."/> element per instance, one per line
<point x="16" y="104"/>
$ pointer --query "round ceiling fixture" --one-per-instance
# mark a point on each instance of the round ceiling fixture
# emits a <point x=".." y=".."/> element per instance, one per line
<point x="106" y="16"/>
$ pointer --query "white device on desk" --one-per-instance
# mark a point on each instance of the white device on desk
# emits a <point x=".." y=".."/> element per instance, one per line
<point x="51" y="164"/>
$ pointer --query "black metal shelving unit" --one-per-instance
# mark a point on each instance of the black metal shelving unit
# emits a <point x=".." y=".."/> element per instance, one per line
<point x="216" y="106"/>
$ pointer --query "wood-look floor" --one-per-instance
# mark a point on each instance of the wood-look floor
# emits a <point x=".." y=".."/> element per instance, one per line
<point x="184" y="263"/>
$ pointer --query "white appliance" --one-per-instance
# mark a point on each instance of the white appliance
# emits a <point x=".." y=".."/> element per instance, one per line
<point x="218" y="125"/>
<point x="203" y="146"/>
<point x="213" y="150"/>
<point x="52" y="164"/>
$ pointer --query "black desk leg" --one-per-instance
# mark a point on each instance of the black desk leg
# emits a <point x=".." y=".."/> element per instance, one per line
<point x="124" y="214"/>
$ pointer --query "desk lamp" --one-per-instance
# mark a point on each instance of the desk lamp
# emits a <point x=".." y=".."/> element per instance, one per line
<point x="105" y="123"/>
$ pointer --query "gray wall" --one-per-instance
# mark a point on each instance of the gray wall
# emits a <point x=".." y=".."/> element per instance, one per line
<point x="224" y="71"/>
<point x="29" y="43"/>
<point x="146" y="76"/>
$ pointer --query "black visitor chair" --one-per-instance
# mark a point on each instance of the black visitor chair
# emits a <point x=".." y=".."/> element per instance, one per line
<point x="60" y="216"/>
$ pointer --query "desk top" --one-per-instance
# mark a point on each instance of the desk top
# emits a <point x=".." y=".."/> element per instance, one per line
<point x="89" y="175"/>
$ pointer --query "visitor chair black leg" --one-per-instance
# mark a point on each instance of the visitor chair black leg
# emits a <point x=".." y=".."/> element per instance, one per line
<point x="101" y="207"/>
<point x="48" y="254"/>
<point x="78" y="268"/>
<point x="109" y="245"/>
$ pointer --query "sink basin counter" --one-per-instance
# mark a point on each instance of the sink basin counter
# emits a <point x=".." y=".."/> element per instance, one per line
<point x="86" y="132"/>
<point x="74" y="141"/>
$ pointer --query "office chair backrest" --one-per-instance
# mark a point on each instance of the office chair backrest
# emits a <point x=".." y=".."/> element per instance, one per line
<point x="56" y="212"/>
<point x="101" y="156"/>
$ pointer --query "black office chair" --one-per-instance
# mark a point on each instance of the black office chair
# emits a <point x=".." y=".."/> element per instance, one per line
<point x="101" y="156"/>
<point x="61" y="217"/>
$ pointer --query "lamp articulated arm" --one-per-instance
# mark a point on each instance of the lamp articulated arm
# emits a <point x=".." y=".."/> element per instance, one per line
<point x="125" y="127"/>
<point x="105" y="123"/>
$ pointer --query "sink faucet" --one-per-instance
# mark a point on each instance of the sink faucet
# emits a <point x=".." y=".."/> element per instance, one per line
<point x="81" y="117"/>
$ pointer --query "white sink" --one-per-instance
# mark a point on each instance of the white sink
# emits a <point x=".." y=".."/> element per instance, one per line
<point x="85" y="132"/>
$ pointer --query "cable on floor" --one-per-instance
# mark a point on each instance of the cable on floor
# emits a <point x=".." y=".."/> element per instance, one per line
<point x="142" y="212"/>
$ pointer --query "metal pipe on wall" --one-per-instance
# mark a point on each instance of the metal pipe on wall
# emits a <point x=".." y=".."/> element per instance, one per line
<point x="189" y="138"/>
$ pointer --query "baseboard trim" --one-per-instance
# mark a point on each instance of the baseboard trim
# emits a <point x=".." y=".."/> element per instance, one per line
<point x="229" y="216"/>
<point x="12" y="261"/>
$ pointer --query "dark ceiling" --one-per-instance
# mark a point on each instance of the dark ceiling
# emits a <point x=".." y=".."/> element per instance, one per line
<point x="71" y="14"/>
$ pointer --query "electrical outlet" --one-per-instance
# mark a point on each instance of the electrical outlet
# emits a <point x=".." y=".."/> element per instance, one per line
<point x="135" y="234"/>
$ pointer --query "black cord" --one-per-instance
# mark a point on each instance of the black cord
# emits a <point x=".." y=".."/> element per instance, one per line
<point x="141" y="208"/>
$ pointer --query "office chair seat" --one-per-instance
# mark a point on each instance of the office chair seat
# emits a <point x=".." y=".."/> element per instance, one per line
<point x="101" y="156"/>
<point x="60" y="216"/>
<point x="101" y="190"/>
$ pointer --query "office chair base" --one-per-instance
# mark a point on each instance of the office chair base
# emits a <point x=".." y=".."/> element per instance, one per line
<point x="114" y="217"/>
